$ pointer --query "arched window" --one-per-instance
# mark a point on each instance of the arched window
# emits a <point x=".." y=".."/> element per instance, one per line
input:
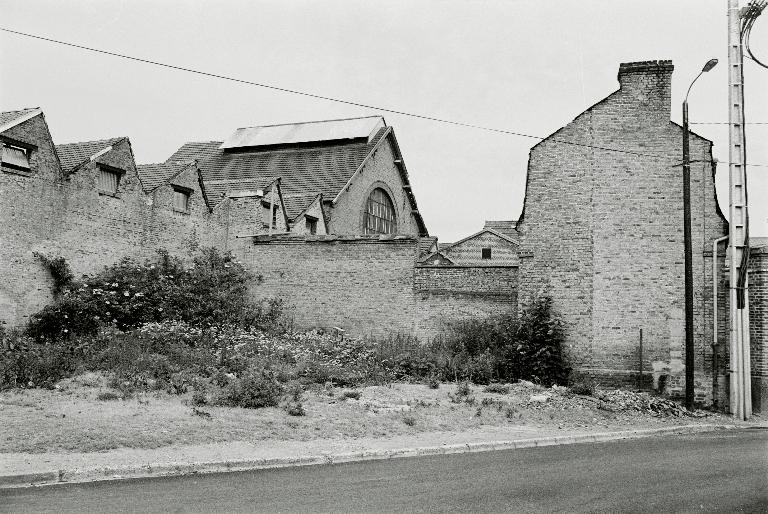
<point x="379" y="213"/>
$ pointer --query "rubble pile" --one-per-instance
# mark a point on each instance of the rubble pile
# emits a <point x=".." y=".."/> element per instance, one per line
<point x="618" y="401"/>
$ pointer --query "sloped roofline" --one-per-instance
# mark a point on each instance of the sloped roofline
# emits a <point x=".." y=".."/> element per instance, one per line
<point x="314" y="121"/>
<point x="108" y="148"/>
<point x="389" y="135"/>
<point x="21" y="119"/>
<point x="319" y="199"/>
<point x="489" y="230"/>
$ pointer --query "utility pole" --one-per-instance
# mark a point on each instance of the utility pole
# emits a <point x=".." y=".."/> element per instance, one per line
<point x="739" y="366"/>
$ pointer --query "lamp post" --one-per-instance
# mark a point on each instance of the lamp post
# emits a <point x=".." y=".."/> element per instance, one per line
<point x="689" y="396"/>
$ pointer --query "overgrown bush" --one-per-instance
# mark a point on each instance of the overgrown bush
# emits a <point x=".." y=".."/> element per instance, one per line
<point x="497" y="388"/>
<point x="505" y="348"/>
<point x="212" y="291"/>
<point x="25" y="362"/>
<point x="257" y="388"/>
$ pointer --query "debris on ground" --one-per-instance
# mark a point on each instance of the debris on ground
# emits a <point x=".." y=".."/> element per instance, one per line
<point x="618" y="400"/>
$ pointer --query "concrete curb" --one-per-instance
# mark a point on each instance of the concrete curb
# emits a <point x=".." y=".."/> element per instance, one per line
<point x="75" y="475"/>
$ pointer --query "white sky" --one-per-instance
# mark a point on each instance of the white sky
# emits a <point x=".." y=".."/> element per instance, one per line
<point x="523" y="65"/>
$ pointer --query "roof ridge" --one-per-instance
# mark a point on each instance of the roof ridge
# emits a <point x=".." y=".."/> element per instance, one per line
<point x="20" y="110"/>
<point x="314" y="121"/>
<point x="110" y="139"/>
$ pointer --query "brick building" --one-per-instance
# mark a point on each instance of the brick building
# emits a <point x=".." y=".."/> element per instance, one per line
<point x="90" y="203"/>
<point x="335" y="177"/>
<point x="602" y="232"/>
<point x="488" y="247"/>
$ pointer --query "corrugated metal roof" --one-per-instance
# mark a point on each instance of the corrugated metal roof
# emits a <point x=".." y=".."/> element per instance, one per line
<point x="310" y="132"/>
<point x="73" y="155"/>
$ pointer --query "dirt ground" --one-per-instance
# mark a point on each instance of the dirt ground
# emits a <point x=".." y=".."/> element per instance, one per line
<point x="72" y="417"/>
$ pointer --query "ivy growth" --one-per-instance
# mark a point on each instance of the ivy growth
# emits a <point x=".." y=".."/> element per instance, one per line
<point x="59" y="270"/>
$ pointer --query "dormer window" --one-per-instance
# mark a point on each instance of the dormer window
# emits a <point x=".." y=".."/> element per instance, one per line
<point x="109" y="180"/>
<point x="16" y="157"/>
<point x="181" y="199"/>
<point x="311" y="224"/>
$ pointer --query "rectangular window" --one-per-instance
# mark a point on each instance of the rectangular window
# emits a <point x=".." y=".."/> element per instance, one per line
<point x="108" y="181"/>
<point x="274" y="216"/>
<point x="311" y="225"/>
<point x="15" y="156"/>
<point x="486" y="253"/>
<point x="181" y="200"/>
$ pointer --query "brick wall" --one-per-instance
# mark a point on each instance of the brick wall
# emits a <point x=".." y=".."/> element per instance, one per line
<point x="370" y="285"/>
<point x="601" y="232"/>
<point x="48" y="213"/>
<point x="469" y="252"/>
<point x="346" y="215"/>
<point x="758" y="318"/>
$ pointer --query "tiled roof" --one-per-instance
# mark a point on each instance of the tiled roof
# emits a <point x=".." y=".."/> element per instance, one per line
<point x="758" y="242"/>
<point x="195" y="151"/>
<point x="321" y="168"/>
<point x="73" y="155"/>
<point x="426" y="243"/>
<point x="296" y="203"/>
<point x="154" y="175"/>
<point x="505" y="227"/>
<point x="10" y="116"/>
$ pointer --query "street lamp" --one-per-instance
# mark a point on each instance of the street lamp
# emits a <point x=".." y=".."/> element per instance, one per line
<point x="689" y="396"/>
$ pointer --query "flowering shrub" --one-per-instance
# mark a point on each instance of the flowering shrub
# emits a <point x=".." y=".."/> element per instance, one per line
<point x="213" y="290"/>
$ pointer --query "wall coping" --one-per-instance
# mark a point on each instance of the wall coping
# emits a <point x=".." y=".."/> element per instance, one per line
<point x="333" y="238"/>
<point x="466" y="266"/>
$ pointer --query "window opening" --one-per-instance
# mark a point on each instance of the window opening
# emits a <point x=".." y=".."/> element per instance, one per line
<point x="15" y="156"/>
<point x="486" y="253"/>
<point x="311" y="225"/>
<point x="379" y="213"/>
<point x="180" y="200"/>
<point x="108" y="181"/>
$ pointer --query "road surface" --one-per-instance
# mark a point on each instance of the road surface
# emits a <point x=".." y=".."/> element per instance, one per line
<point x="714" y="472"/>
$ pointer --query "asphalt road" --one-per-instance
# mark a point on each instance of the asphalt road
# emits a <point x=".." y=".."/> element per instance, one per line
<point x="715" y="472"/>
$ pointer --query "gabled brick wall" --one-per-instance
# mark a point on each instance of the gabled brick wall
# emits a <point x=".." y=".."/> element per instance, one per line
<point x="57" y="214"/>
<point x="601" y="232"/>
<point x="470" y="251"/>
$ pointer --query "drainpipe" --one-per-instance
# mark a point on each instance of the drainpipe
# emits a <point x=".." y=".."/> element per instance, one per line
<point x="715" y="343"/>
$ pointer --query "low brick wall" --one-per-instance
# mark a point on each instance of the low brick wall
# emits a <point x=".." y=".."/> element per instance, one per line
<point x="370" y="285"/>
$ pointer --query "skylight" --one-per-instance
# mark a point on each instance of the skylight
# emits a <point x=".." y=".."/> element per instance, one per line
<point x="311" y="132"/>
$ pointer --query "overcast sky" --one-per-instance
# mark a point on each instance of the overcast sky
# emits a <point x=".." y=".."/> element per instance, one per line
<point x="525" y="66"/>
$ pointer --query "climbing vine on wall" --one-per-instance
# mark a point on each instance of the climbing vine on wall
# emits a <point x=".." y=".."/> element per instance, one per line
<point x="60" y="271"/>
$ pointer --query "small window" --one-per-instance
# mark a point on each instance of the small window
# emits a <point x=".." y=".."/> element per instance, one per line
<point x="269" y="220"/>
<point x="16" y="156"/>
<point x="311" y="225"/>
<point x="108" y="181"/>
<point x="486" y="253"/>
<point x="181" y="200"/>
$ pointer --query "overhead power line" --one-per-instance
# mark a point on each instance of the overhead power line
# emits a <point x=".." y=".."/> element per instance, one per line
<point x="726" y="123"/>
<point x="330" y="98"/>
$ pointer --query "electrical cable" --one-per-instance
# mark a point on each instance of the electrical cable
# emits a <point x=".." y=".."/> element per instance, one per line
<point x="337" y="100"/>
<point x="327" y="98"/>
<point x="749" y="16"/>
